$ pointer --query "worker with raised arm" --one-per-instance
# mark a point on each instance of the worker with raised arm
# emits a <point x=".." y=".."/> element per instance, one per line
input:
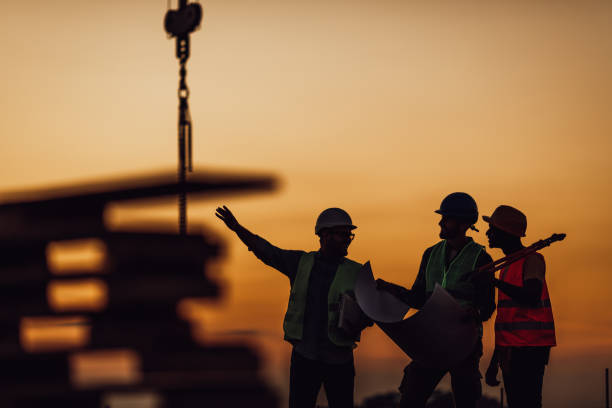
<point x="524" y="326"/>
<point x="449" y="263"/>
<point x="322" y="352"/>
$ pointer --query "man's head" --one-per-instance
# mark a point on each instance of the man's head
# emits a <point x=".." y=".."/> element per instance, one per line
<point x="459" y="213"/>
<point x="334" y="228"/>
<point x="506" y="227"/>
<point x="453" y="227"/>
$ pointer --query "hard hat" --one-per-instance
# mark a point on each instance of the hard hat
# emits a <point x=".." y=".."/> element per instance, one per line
<point x="508" y="219"/>
<point x="459" y="205"/>
<point x="333" y="217"/>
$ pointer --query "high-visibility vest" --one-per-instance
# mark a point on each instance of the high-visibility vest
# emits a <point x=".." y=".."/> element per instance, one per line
<point x="517" y="325"/>
<point x="344" y="281"/>
<point x="452" y="277"/>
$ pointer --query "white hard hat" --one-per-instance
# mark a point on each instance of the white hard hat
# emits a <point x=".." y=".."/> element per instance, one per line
<point x="333" y="217"/>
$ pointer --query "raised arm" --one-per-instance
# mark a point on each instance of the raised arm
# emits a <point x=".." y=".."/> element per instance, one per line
<point x="246" y="236"/>
<point x="285" y="261"/>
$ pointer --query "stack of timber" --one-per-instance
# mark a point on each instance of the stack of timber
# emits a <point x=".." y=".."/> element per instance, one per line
<point x="124" y="310"/>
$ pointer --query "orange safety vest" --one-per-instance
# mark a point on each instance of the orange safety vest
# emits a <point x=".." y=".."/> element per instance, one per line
<point x="518" y="325"/>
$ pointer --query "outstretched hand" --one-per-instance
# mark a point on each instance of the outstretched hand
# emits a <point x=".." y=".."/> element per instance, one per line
<point x="382" y="284"/>
<point x="225" y="215"/>
<point x="389" y="287"/>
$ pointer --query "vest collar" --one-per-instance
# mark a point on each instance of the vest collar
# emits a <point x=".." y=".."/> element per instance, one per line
<point x="469" y="241"/>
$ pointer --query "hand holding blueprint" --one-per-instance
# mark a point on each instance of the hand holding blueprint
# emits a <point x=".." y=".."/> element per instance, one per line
<point x="439" y="336"/>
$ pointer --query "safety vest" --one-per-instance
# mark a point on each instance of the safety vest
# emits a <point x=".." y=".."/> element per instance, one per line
<point x="344" y="280"/>
<point x="518" y="325"/>
<point x="452" y="277"/>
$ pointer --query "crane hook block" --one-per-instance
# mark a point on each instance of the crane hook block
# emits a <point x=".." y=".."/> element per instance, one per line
<point x="183" y="21"/>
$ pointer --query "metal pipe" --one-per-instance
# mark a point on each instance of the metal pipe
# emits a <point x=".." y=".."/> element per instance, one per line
<point x="607" y="388"/>
<point x="507" y="260"/>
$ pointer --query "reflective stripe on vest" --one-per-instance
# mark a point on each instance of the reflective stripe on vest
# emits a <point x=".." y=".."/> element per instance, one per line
<point x="525" y="326"/>
<point x="344" y="281"/>
<point x="517" y="325"/>
<point x="450" y="277"/>
<point x="514" y="303"/>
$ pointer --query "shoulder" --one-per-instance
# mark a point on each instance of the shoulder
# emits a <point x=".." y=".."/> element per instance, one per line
<point x="352" y="263"/>
<point x="483" y="256"/>
<point x="302" y="255"/>
<point x="300" y="259"/>
<point x="436" y="245"/>
<point x="535" y="258"/>
<point x="534" y="266"/>
<point x="429" y="250"/>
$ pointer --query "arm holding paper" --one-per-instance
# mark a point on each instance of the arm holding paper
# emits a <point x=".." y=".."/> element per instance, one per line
<point x="416" y="296"/>
<point x="352" y="319"/>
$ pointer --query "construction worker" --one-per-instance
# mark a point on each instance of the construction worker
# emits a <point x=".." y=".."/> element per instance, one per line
<point x="449" y="263"/>
<point x="322" y="353"/>
<point x="524" y="326"/>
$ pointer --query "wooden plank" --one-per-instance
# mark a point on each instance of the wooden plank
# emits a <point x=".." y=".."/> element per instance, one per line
<point x="77" y="211"/>
<point x="258" y="396"/>
<point x="146" y="336"/>
<point x="163" y="184"/>
<point x="127" y="254"/>
<point x="204" y="368"/>
<point x="135" y="247"/>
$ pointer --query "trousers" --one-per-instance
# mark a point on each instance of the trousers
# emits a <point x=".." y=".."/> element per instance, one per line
<point x="419" y="382"/>
<point x="306" y="377"/>
<point x="523" y="373"/>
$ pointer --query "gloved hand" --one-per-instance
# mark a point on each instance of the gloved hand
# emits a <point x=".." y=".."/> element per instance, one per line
<point x="491" y="374"/>
<point x="471" y="313"/>
<point x="392" y="288"/>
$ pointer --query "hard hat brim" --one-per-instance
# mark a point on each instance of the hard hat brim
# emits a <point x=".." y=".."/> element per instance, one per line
<point x="454" y="214"/>
<point x="350" y="226"/>
<point x="490" y="221"/>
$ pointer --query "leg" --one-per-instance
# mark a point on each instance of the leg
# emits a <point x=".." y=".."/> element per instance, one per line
<point x="465" y="380"/>
<point x="532" y="391"/>
<point x="527" y="365"/>
<point x="339" y="383"/>
<point x="304" y="381"/>
<point x="509" y="383"/>
<point x="417" y="385"/>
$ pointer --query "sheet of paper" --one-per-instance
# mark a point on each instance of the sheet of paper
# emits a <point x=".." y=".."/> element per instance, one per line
<point x="351" y="317"/>
<point x="378" y="305"/>
<point x="439" y="336"/>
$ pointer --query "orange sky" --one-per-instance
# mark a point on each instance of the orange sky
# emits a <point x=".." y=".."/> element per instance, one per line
<point x="381" y="108"/>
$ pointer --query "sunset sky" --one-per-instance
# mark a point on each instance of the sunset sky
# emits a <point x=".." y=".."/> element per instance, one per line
<point x="381" y="108"/>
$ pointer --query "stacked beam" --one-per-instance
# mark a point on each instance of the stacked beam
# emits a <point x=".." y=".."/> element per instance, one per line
<point x="143" y="278"/>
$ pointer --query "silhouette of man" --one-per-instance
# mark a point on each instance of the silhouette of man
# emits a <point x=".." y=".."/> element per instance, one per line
<point x="449" y="263"/>
<point x="524" y="326"/>
<point x="322" y="352"/>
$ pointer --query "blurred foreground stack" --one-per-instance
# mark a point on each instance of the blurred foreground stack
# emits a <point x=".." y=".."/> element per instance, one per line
<point x="122" y="339"/>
